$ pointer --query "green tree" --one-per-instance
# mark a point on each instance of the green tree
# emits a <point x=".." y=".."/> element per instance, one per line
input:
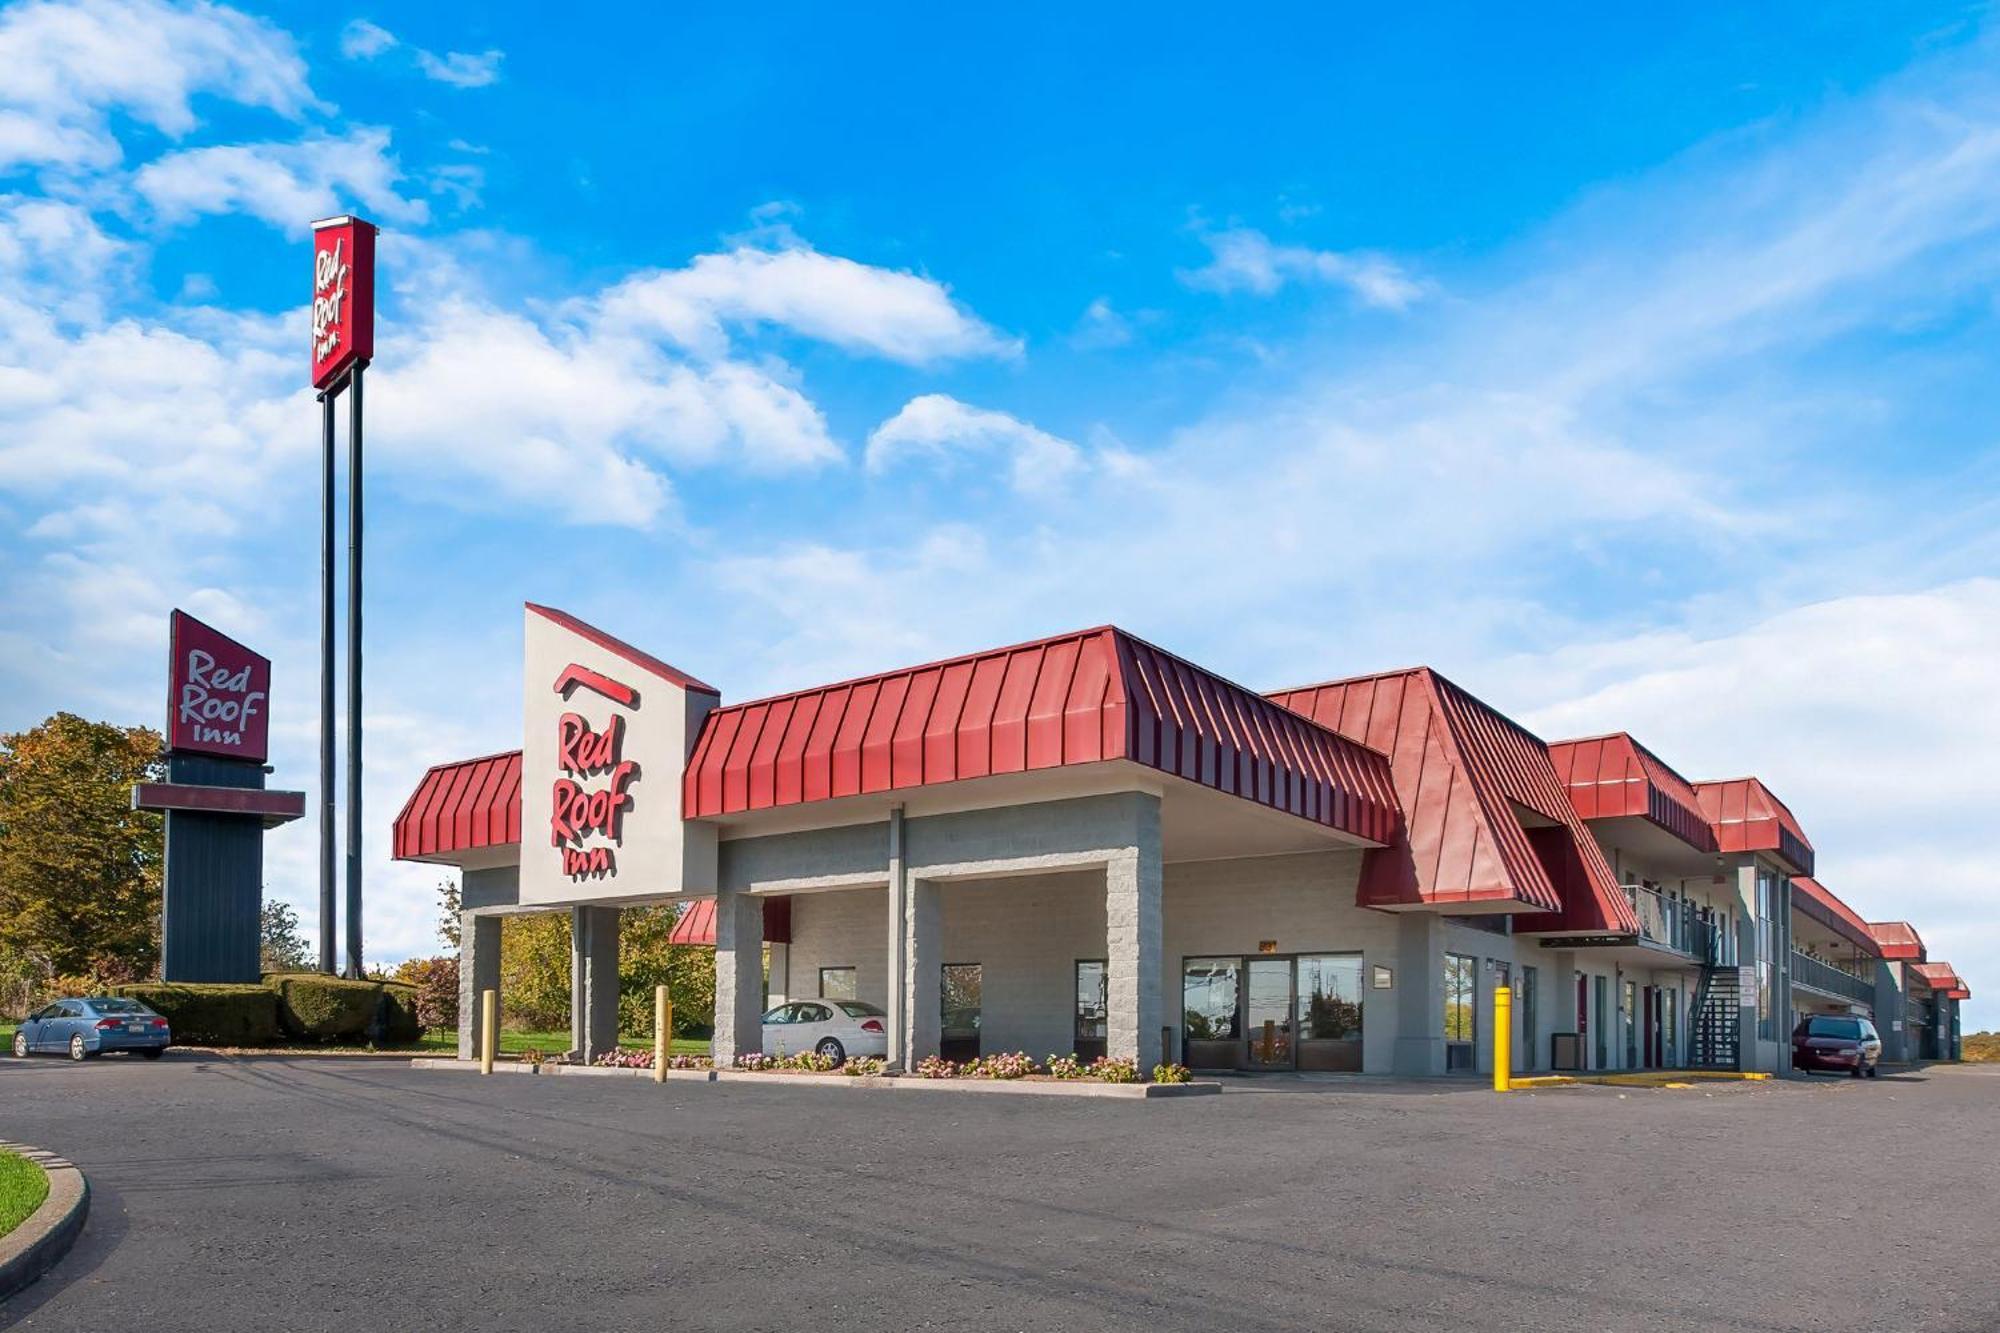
<point x="283" y="948"/>
<point x="79" y="868"/>
<point x="534" y="971"/>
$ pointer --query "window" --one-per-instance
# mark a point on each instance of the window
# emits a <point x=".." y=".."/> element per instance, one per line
<point x="958" y="1016"/>
<point x="812" y="1013"/>
<point x="1850" y="1028"/>
<point x="1329" y="1001"/>
<point x="784" y="1013"/>
<point x="1092" y="977"/>
<point x="1208" y="998"/>
<point x="836" y="983"/>
<point x="859" y="1009"/>
<point x="1461" y="1003"/>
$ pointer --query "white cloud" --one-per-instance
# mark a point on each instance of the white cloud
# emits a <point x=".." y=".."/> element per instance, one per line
<point x="834" y="300"/>
<point x="461" y="69"/>
<point x="56" y="256"/>
<point x="362" y="40"/>
<point x="1242" y="259"/>
<point x="65" y="65"/>
<point x="937" y="426"/>
<point x="1100" y="327"/>
<point x="284" y="184"/>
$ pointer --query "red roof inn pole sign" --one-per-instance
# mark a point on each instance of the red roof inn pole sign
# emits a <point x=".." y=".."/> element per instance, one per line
<point x="220" y="694"/>
<point x="343" y="342"/>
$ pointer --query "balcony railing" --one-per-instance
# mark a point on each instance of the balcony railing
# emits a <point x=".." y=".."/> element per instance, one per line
<point x="1674" y="923"/>
<point x="1829" y="979"/>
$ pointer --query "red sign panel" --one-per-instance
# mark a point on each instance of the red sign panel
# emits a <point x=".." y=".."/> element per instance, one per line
<point x="219" y="694"/>
<point x="343" y="308"/>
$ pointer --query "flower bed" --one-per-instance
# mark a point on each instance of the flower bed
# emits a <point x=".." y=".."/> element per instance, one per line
<point x="623" y="1059"/>
<point x="1061" y="1068"/>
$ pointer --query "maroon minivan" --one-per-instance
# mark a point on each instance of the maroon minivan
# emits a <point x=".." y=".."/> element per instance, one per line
<point x="1837" y="1044"/>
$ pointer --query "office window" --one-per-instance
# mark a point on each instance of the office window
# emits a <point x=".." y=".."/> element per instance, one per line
<point x="1767" y="892"/>
<point x="837" y="983"/>
<point x="1208" y="998"/>
<point x="1461" y="992"/>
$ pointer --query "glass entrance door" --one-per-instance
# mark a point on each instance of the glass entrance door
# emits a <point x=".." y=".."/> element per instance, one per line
<point x="1267" y="1013"/>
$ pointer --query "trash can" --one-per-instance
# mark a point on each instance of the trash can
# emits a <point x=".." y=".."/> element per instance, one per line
<point x="1566" y="1051"/>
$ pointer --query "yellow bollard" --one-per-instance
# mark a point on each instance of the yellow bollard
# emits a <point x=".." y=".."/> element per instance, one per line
<point x="1503" y="1039"/>
<point x="663" y="1026"/>
<point x="489" y="1028"/>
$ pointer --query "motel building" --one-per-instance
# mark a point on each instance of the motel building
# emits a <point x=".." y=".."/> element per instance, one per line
<point x="1089" y="844"/>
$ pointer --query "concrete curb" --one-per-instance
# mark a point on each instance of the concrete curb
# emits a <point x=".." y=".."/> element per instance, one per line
<point x="873" y="1083"/>
<point x="34" y="1247"/>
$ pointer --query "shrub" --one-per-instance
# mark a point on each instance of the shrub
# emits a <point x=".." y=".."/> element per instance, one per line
<point x="866" y="1066"/>
<point x="624" y="1059"/>
<point x="1171" y="1073"/>
<point x="936" y="1066"/>
<point x="436" y="984"/>
<point x="1121" y="1070"/>
<point x="690" y="1061"/>
<point x="1065" y="1067"/>
<point x="315" y="1007"/>
<point x="212" y="1015"/>
<point x="1008" y="1066"/>
<point x="755" y="1061"/>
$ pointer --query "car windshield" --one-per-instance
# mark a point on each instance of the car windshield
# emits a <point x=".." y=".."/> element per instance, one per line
<point x="119" y="1007"/>
<point x="860" y="1009"/>
<point x="1834" y="1027"/>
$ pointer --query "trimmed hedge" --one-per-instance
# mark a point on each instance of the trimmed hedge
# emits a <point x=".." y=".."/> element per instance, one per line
<point x="212" y="1014"/>
<point x="314" y="1007"/>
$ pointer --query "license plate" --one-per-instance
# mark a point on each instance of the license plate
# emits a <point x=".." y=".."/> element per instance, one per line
<point x="135" y="1028"/>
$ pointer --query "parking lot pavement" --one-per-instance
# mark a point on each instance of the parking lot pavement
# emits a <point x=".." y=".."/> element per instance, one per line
<point x="325" y="1194"/>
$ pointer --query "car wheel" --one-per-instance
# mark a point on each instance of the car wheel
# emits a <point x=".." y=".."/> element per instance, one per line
<point x="77" y="1050"/>
<point x="20" y="1045"/>
<point x="1857" y="1069"/>
<point x="832" y="1050"/>
<point x="154" y="1053"/>
<point x="1874" y="1071"/>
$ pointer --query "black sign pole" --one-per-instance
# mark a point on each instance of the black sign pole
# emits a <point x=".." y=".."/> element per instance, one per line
<point x="326" y="538"/>
<point x="354" y="671"/>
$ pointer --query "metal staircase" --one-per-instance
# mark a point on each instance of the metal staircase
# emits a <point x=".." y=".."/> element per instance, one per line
<point x="1715" y="1024"/>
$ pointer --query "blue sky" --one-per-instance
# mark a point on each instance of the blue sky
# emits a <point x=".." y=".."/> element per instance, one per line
<point x="1635" y="371"/>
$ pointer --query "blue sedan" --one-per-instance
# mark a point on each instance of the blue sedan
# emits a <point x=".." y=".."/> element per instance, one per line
<point x="83" y="1028"/>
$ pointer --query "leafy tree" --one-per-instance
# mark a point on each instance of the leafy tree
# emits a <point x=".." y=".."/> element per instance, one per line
<point x="80" y="869"/>
<point x="448" y="907"/>
<point x="534" y="971"/>
<point x="283" y="949"/>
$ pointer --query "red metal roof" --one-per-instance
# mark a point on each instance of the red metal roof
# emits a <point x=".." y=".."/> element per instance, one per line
<point x="460" y="806"/>
<point x="1748" y="817"/>
<point x="645" y="661"/>
<point x="696" y="924"/>
<point x="1823" y="905"/>
<point x="1897" y="941"/>
<point x="1081" y="698"/>
<point x="1460" y="768"/>
<point x="1611" y="776"/>
<point x="1939" y="976"/>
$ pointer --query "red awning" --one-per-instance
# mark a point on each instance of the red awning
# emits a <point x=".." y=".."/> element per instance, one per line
<point x="1897" y="941"/>
<point x="1612" y="776"/>
<point x="461" y="806"/>
<point x="1819" y="902"/>
<point x="696" y="924"/>
<point x="1470" y="781"/>
<point x="1938" y="976"/>
<point x="1748" y="817"/>
<point x="1079" y="698"/>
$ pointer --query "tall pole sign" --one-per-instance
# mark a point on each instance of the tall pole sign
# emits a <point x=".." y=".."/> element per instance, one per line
<point x="343" y="343"/>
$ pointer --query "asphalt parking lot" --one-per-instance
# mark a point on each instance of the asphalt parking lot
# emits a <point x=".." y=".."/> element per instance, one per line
<point x="335" y="1194"/>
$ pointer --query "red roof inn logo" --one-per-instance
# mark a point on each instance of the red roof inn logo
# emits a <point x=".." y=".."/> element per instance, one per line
<point x="343" y="308"/>
<point x="577" y="812"/>
<point x="220" y="694"/>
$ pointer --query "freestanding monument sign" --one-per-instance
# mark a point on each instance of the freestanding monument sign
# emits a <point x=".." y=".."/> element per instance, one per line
<point x="216" y="806"/>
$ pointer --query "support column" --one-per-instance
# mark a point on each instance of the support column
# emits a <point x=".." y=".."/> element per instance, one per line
<point x="895" y="950"/>
<point x="1419" y="993"/>
<point x="1133" y="920"/>
<point x="923" y="971"/>
<point x="593" y="981"/>
<point x="778" y="979"/>
<point x="478" y="971"/>
<point x="739" y="976"/>
<point x="1892" y="1012"/>
<point x="1749" y="1055"/>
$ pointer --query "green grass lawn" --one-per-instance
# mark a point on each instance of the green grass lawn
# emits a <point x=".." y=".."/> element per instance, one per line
<point x="23" y="1186"/>
<point x="511" y="1043"/>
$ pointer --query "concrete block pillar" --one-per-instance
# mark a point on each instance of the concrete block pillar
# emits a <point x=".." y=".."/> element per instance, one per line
<point x="593" y="981"/>
<point x="478" y="971"/>
<point x="923" y="970"/>
<point x="1891" y="1012"/>
<point x="1419" y="993"/>
<point x="739" y="976"/>
<point x="896" y="950"/>
<point x="778" y="979"/>
<point x="1134" y="927"/>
